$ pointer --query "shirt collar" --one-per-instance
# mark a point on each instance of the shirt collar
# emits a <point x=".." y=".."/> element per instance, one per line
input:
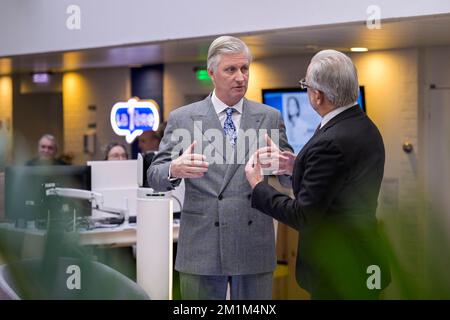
<point x="330" y="115"/>
<point x="219" y="106"/>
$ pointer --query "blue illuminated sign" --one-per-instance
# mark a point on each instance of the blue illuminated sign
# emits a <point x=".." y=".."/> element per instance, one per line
<point x="132" y="118"/>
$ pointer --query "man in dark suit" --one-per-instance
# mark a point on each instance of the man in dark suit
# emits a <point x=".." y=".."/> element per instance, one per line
<point x="222" y="240"/>
<point x="336" y="182"/>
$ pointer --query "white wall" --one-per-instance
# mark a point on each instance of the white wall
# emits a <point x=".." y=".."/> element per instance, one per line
<point x="32" y="26"/>
<point x="436" y="104"/>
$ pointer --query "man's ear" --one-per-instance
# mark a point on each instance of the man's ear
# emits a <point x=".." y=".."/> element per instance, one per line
<point x="318" y="97"/>
<point x="211" y="75"/>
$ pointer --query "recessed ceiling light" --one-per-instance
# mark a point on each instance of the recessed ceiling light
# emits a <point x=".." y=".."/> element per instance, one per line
<point x="359" y="49"/>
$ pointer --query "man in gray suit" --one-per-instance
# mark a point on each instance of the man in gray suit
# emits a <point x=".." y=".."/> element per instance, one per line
<point x="222" y="241"/>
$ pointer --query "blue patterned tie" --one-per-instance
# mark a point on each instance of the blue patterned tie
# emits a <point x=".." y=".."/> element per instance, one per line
<point x="229" y="128"/>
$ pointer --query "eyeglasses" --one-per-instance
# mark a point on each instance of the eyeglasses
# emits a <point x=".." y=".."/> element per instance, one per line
<point x="303" y="84"/>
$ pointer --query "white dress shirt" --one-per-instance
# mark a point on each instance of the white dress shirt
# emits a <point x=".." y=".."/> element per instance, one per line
<point x="330" y="115"/>
<point x="220" y="107"/>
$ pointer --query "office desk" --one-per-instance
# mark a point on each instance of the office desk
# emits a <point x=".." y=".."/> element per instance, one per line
<point x="120" y="236"/>
<point x="156" y="233"/>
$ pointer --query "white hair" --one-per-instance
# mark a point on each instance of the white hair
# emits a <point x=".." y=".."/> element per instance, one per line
<point x="51" y="138"/>
<point x="225" y="45"/>
<point x="334" y="73"/>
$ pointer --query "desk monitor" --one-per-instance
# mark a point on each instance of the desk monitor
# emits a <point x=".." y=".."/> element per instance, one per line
<point x="25" y="195"/>
<point x="300" y="119"/>
<point x="117" y="181"/>
<point x="114" y="174"/>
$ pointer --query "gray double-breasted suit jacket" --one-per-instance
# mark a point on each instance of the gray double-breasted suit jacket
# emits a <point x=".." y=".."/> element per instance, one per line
<point x="220" y="233"/>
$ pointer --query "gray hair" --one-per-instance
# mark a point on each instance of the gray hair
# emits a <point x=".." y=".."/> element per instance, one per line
<point x="334" y="73"/>
<point x="225" y="45"/>
<point x="51" y="138"/>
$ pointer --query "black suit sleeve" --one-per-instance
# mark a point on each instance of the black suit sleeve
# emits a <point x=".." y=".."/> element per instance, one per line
<point x="321" y="180"/>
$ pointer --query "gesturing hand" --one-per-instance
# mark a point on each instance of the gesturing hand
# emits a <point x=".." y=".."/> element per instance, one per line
<point x="189" y="164"/>
<point x="282" y="162"/>
<point x="253" y="170"/>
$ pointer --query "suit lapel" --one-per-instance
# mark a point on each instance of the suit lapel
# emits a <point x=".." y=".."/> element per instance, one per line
<point x="206" y="118"/>
<point x="250" y="119"/>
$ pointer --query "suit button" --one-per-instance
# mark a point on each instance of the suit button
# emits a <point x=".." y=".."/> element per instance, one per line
<point x="216" y="223"/>
<point x="250" y="222"/>
<point x="220" y="197"/>
<point x="249" y="196"/>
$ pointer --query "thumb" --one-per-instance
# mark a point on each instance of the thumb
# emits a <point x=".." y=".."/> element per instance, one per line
<point x="252" y="160"/>
<point x="270" y="143"/>
<point x="190" y="149"/>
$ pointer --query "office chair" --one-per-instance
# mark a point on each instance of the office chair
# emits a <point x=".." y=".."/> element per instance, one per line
<point x="36" y="279"/>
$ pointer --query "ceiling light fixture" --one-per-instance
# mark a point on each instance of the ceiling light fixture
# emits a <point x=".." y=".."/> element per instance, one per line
<point x="359" y="49"/>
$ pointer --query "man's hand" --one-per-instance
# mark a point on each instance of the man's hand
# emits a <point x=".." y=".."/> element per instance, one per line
<point x="272" y="157"/>
<point x="189" y="164"/>
<point x="253" y="170"/>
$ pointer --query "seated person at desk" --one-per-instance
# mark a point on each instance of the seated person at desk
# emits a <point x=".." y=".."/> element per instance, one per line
<point x="115" y="151"/>
<point x="47" y="148"/>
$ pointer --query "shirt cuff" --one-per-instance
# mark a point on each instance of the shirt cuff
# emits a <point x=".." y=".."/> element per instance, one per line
<point x="169" y="177"/>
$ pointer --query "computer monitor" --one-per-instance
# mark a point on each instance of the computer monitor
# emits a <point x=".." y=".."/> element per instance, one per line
<point x="300" y="119"/>
<point x="117" y="181"/>
<point x="25" y="197"/>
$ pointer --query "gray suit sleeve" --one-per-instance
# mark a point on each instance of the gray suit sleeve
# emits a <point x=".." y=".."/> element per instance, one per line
<point x="285" y="180"/>
<point x="158" y="172"/>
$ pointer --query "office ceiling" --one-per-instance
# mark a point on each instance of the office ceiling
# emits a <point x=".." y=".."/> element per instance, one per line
<point x="414" y="32"/>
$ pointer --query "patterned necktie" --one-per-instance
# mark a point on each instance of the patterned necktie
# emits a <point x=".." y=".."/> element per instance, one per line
<point x="229" y="128"/>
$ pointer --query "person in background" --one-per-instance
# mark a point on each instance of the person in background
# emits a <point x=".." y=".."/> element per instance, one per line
<point x="47" y="149"/>
<point x="115" y="151"/>
<point x="149" y="140"/>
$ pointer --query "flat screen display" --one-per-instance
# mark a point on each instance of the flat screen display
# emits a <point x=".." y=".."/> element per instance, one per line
<point x="300" y="119"/>
<point x="25" y="193"/>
